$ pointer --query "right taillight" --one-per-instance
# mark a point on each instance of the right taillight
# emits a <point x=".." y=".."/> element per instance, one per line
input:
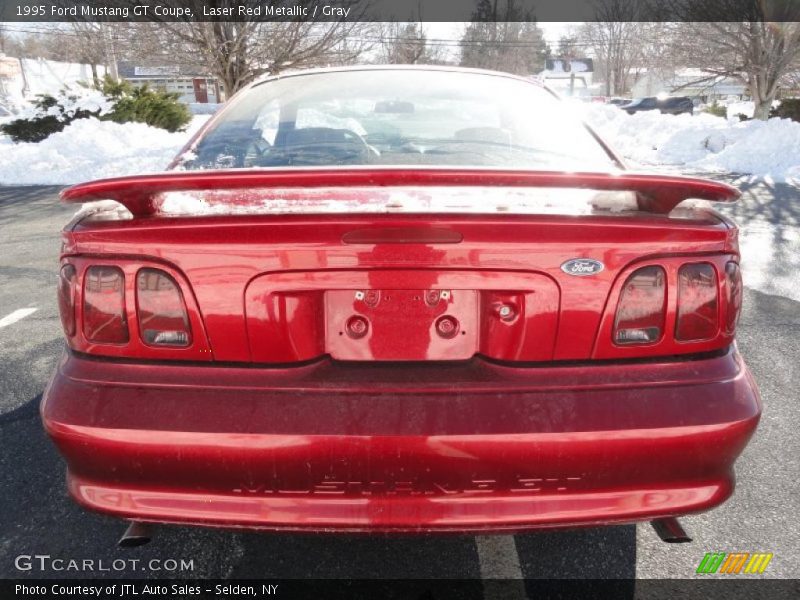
<point x="104" y="317"/>
<point x="733" y="288"/>
<point x="163" y="320"/>
<point x="698" y="313"/>
<point x="641" y="308"/>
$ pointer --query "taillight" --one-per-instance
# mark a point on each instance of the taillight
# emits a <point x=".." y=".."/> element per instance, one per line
<point x="698" y="314"/>
<point x="104" y="318"/>
<point x="163" y="320"/>
<point x="733" y="288"/>
<point x="641" y="308"/>
<point x="67" y="279"/>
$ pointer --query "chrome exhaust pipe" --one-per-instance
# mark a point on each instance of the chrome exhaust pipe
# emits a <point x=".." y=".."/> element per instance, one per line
<point x="137" y="534"/>
<point x="670" y="531"/>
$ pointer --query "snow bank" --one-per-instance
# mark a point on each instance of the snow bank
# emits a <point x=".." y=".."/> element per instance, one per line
<point x="703" y="143"/>
<point x="91" y="149"/>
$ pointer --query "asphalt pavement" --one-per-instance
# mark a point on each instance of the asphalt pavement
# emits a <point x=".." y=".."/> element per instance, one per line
<point x="37" y="517"/>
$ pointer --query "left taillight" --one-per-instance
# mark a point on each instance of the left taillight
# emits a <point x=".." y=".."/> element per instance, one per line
<point x="104" y="316"/>
<point x="130" y="309"/>
<point x="67" y="280"/>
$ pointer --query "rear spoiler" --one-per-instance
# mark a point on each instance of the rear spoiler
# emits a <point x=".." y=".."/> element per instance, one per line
<point x="141" y="194"/>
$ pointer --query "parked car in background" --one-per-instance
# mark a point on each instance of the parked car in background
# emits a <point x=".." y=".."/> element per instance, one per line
<point x="410" y="299"/>
<point x="618" y="101"/>
<point x="676" y="105"/>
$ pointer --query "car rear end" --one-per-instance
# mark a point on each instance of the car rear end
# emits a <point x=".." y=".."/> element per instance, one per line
<point x="400" y="349"/>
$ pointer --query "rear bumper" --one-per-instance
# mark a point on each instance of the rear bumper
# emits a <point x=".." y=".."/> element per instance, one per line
<point x="464" y="447"/>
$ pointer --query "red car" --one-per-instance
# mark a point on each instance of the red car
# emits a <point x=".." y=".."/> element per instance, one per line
<point x="400" y="299"/>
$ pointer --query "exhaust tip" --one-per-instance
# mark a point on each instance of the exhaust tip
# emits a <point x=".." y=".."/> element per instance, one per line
<point x="137" y="534"/>
<point x="670" y="531"/>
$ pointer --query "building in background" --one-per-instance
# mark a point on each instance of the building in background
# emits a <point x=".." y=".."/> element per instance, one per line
<point x="190" y="86"/>
<point x="569" y="77"/>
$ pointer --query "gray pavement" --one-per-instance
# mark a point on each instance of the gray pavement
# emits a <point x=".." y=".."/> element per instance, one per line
<point x="36" y="517"/>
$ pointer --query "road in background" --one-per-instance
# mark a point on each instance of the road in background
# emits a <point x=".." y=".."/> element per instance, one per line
<point x="36" y="517"/>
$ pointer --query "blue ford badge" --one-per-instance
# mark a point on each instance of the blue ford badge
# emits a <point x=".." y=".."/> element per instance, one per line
<point x="582" y="267"/>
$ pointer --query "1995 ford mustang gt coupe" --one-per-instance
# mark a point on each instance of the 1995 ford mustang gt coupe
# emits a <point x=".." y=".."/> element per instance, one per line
<point x="400" y="299"/>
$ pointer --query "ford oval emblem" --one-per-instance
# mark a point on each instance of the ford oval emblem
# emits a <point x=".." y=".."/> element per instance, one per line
<point x="582" y="267"/>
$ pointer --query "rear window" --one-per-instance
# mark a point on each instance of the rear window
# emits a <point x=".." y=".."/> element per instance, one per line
<point x="398" y="118"/>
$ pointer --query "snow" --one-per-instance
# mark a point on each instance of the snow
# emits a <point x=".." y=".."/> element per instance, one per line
<point x="91" y="149"/>
<point x="110" y="208"/>
<point x="702" y="142"/>
<point x="70" y="102"/>
<point x="742" y="107"/>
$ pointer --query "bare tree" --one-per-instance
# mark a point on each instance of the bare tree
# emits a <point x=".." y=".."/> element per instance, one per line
<point x="620" y="42"/>
<point x="406" y="43"/>
<point x="503" y="36"/>
<point x="236" y="52"/>
<point x="95" y="44"/>
<point x="34" y="46"/>
<point x="760" y="54"/>
<point x="569" y="47"/>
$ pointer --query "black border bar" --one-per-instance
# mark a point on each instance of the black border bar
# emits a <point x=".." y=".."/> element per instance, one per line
<point x="723" y="588"/>
<point x="31" y="11"/>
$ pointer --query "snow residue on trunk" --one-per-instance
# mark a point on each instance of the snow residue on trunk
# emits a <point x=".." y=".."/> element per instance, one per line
<point x="432" y="199"/>
<point x="701" y="142"/>
<point x="110" y="209"/>
<point x="91" y="149"/>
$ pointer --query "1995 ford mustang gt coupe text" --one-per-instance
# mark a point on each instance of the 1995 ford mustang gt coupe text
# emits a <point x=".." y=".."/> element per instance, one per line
<point x="400" y="299"/>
